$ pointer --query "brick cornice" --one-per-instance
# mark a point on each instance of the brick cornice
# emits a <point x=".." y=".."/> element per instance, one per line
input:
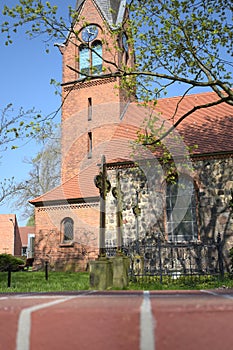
<point x="67" y="206"/>
<point x="77" y="85"/>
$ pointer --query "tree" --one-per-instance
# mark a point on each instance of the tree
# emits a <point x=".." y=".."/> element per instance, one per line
<point x="15" y="126"/>
<point x="44" y="174"/>
<point x="178" y="44"/>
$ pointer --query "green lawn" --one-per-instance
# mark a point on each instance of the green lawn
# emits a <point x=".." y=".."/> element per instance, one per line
<point x="29" y="281"/>
<point x="182" y="283"/>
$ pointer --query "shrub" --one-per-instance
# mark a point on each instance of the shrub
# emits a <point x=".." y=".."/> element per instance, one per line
<point x="8" y="261"/>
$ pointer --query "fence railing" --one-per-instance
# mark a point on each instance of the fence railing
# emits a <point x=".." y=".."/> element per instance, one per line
<point x="155" y="257"/>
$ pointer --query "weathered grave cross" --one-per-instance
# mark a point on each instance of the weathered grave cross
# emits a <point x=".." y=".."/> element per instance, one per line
<point x="104" y="186"/>
<point x="117" y="193"/>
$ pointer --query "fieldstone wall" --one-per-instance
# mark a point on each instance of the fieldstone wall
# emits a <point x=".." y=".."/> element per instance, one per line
<point x="214" y="180"/>
<point x="135" y="193"/>
<point x="213" y="183"/>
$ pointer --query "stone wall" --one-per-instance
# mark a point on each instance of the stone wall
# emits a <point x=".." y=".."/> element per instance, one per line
<point x="215" y="183"/>
<point x="213" y="187"/>
<point x="150" y="202"/>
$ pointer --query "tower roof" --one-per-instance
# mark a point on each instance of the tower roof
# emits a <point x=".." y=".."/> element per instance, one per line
<point x="112" y="10"/>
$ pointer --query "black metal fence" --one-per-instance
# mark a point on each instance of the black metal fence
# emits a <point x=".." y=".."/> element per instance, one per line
<point x="157" y="257"/>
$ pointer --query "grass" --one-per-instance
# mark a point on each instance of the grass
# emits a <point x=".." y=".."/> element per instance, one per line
<point x="36" y="282"/>
<point x="73" y="281"/>
<point x="182" y="283"/>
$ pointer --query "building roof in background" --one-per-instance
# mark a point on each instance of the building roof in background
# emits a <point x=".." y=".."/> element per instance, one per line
<point x="24" y="232"/>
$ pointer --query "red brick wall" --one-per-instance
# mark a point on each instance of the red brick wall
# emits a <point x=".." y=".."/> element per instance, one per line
<point x="18" y="242"/>
<point x="10" y="242"/>
<point x="48" y="240"/>
<point x="108" y="101"/>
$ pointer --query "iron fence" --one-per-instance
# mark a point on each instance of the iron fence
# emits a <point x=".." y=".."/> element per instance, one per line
<point x="157" y="257"/>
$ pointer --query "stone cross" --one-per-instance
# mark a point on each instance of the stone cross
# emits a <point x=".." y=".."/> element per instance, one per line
<point x="137" y="213"/>
<point x="116" y="191"/>
<point x="104" y="186"/>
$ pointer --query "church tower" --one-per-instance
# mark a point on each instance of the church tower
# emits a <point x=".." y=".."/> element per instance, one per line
<point x="92" y="108"/>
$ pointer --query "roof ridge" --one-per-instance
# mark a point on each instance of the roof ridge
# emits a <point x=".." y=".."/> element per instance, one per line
<point x="188" y="95"/>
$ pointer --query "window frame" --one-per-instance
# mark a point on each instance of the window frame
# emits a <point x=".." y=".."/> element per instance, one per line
<point x="90" y="58"/>
<point x="191" y="211"/>
<point x="63" y="223"/>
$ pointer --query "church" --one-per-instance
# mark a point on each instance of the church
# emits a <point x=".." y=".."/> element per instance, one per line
<point x="99" y="118"/>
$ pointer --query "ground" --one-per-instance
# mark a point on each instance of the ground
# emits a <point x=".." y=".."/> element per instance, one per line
<point x="115" y="320"/>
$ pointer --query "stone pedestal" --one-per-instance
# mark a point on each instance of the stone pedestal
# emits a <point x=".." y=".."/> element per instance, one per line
<point x="101" y="274"/>
<point x="120" y="266"/>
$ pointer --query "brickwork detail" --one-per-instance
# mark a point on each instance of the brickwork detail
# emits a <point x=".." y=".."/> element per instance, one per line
<point x="87" y="84"/>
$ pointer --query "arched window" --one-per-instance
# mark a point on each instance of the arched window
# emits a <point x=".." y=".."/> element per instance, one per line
<point x="181" y="210"/>
<point x="67" y="229"/>
<point x="96" y="57"/>
<point x="90" y="59"/>
<point x="84" y="60"/>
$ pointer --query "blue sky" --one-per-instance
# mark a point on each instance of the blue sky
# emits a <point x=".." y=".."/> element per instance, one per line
<point x="26" y="70"/>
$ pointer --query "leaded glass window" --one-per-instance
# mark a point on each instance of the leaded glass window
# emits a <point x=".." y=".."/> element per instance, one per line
<point x="68" y="229"/>
<point x="90" y="59"/>
<point x="84" y="60"/>
<point x="97" y="57"/>
<point x="181" y="210"/>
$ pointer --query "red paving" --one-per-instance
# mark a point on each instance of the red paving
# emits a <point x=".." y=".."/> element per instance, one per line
<point x="193" y="322"/>
<point x="111" y="320"/>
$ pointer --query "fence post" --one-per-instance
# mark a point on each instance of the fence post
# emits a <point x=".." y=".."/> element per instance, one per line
<point x="9" y="277"/>
<point x="46" y="270"/>
<point x="220" y="256"/>
<point x="160" y="260"/>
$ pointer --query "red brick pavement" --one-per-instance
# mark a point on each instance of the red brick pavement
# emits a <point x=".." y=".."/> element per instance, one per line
<point x="111" y="320"/>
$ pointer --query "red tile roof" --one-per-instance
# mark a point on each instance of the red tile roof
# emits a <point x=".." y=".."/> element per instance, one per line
<point x="23" y="232"/>
<point x="80" y="186"/>
<point x="210" y="129"/>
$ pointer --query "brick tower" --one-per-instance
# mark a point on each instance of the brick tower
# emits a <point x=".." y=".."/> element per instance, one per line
<point x="67" y="217"/>
<point x="93" y="107"/>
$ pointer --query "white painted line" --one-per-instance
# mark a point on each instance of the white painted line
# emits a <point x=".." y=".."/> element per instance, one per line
<point x="226" y="296"/>
<point x="24" y="323"/>
<point x="147" y="324"/>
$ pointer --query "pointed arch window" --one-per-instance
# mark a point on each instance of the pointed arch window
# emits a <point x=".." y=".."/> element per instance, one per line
<point x="84" y="60"/>
<point x="67" y="229"/>
<point x="181" y="210"/>
<point x="97" y="57"/>
<point x="90" y="59"/>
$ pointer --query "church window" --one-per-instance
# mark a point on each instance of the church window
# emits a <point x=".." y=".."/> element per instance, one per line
<point x="96" y="57"/>
<point x="90" y="59"/>
<point x="67" y="228"/>
<point x="84" y="60"/>
<point x="181" y="210"/>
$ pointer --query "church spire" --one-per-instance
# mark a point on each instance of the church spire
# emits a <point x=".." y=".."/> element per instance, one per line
<point x="112" y="10"/>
